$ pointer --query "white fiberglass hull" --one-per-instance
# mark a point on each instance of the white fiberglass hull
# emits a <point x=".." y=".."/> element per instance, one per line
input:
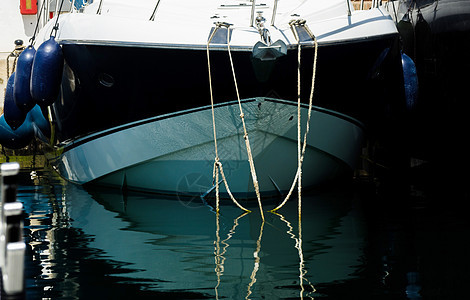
<point x="133" y="111"/>
<point x="175" y="152"/>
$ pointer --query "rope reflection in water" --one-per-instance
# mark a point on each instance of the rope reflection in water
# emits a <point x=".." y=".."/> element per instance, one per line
<point x="298" y="246"/>
<point x="219" y="255"/>
<point x="257" y="260"/>
<point x="221" y="246"/>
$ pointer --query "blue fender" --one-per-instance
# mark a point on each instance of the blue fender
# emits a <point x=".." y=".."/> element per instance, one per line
<point x="15" y="138"/>
<point x="410" y="78"/>
<point x="14" y="116"/>
<point x="21" y="91"/>
<point x="40" y="124"/>
<point x="46" y="72"/>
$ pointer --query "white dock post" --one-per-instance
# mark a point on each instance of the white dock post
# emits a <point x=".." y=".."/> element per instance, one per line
<point x="12" y="246"/>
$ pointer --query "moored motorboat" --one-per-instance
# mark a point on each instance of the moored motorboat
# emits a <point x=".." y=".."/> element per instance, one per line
<point x="134" y="109"/>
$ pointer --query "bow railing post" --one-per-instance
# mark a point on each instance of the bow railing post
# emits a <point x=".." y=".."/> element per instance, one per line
<point x="274" y="13"/>
<point x="253" y="7"/>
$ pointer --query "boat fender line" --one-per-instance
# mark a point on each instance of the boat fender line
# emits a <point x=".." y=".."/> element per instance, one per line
<point x="33" y="37"/>
<point x="152" y="17"/>
<point x="46" y="74"/>
<point x="218" y="169"/>
<point x="21" y="90"/>
<point x="14" y="54"/>
<point x="301" y="150"/>
<point x="410" y="80"/>
<point x="14" y="116"/>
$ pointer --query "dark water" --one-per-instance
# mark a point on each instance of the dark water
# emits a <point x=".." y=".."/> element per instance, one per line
<point x="405" y="235"/>
<point x="406" y="240"/>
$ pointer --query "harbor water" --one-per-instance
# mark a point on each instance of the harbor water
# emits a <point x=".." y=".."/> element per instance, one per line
<point x="364" y="240"/>
<point x="398" y="231"/>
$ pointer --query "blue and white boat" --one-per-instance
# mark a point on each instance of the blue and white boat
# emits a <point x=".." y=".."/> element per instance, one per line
<point x="134" y="109"/>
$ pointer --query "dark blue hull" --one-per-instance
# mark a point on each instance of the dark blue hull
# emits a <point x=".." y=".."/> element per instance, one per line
<point x="105" y="86"/>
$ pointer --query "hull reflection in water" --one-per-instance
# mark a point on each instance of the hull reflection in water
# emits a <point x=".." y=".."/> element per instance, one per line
<point x="181" y="244"/>
<point x="110" y="243"/>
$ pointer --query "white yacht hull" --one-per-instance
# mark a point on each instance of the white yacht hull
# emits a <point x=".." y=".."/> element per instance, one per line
<point x="175" y="153"/>
<point x="133" y="108"/>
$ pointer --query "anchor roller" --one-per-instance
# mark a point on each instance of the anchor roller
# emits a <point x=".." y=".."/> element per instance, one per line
<point x="264" y="52"/>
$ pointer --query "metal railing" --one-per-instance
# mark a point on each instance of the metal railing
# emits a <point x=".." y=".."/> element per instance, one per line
<point x="363" y="5"/>
<point x="253" y="12"/>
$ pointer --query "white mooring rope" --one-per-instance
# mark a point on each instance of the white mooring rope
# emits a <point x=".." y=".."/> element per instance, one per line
<point x="301" y="152"/>
<point x="217" y="164"/>
<point x="301" y="149"/>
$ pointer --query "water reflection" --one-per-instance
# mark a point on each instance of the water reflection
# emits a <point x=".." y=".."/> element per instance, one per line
<point x="84" y="243"/>
<point x="298" y="245"/>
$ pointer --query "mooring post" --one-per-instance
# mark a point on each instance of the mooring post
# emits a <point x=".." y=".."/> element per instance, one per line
<point x="12" y="246"/>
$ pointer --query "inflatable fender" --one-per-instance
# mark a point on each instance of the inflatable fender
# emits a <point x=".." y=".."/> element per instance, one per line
<point x="14" y="116"/>
<point x="46" y="74"/>
<point x="410" y="78"/>
<point x="39" y="121"/>
<point x="21" y="90"/>
<point x="15" y="139"/>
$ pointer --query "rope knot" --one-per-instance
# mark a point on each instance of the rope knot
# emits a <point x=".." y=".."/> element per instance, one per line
<point x="242" y="115"/>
